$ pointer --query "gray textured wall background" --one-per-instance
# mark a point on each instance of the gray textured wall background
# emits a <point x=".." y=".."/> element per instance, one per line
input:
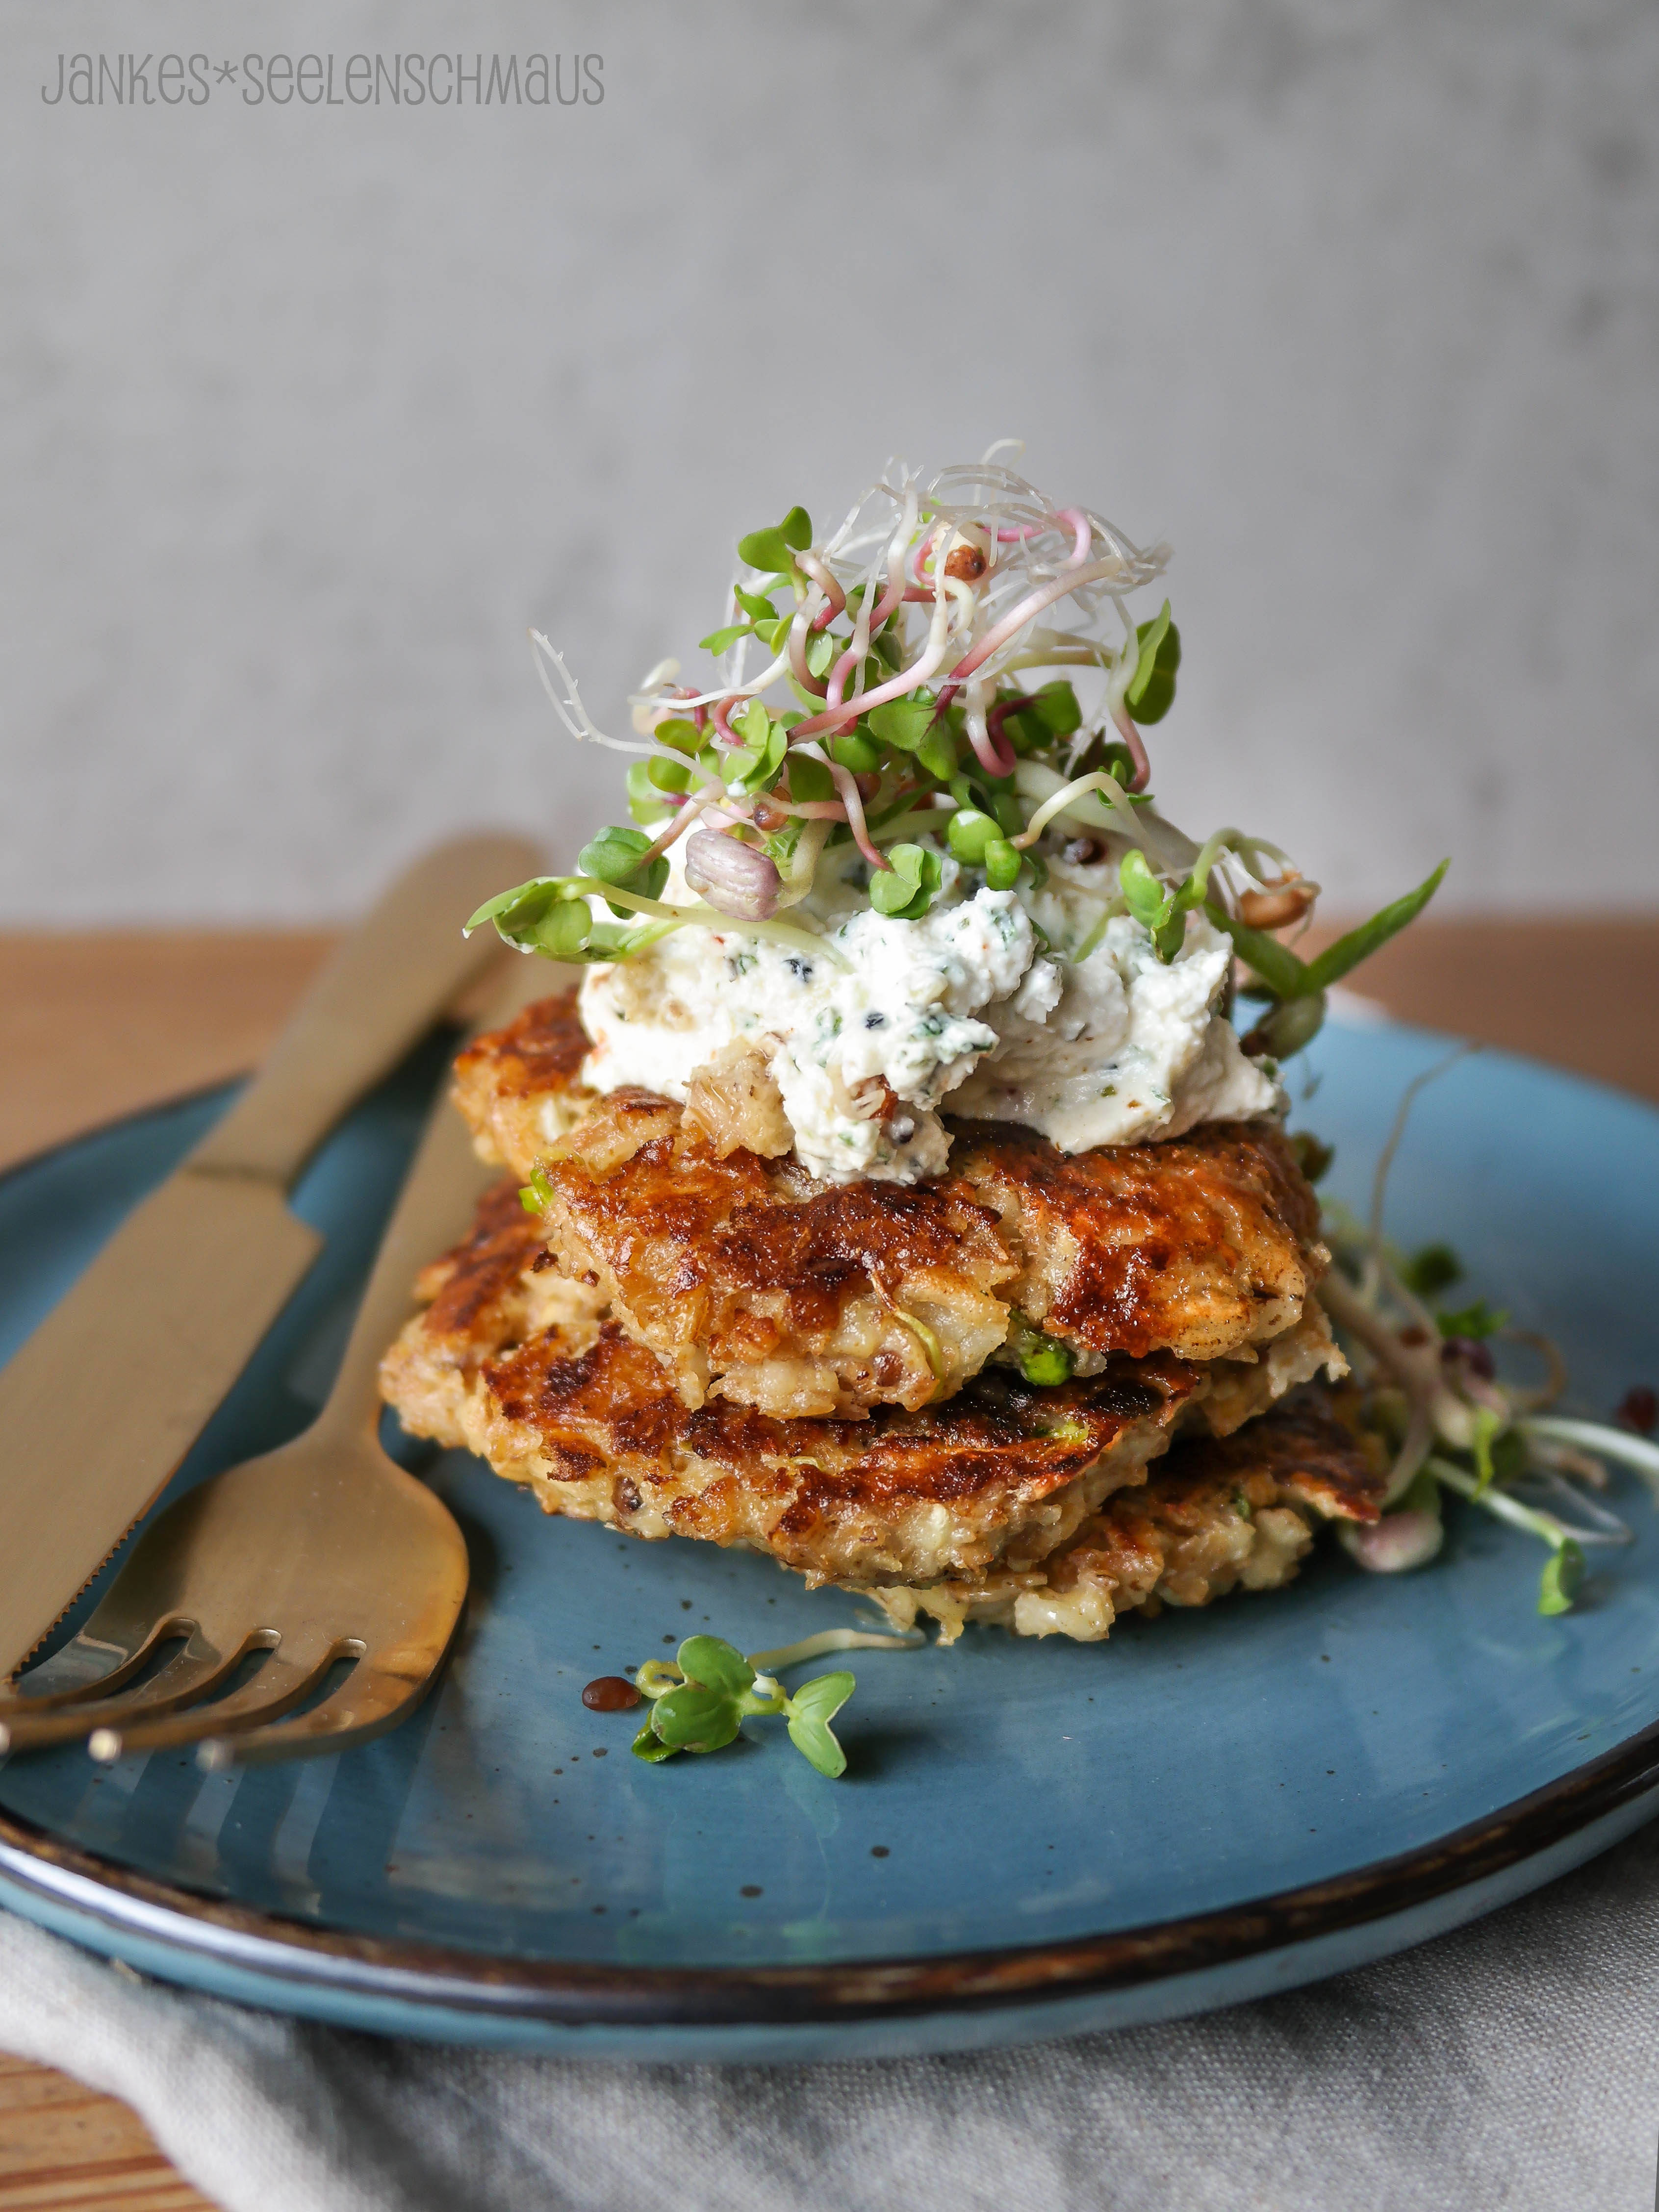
<point x="308" y="412"/>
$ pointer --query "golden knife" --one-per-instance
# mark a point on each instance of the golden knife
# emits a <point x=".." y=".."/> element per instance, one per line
<point x="100" y="1405"/>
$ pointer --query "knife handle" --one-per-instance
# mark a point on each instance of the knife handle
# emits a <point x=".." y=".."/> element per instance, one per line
<point x="377" y="995"/>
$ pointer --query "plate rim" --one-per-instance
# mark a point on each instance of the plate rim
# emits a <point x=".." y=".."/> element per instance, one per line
<point x="580" y="1994"/>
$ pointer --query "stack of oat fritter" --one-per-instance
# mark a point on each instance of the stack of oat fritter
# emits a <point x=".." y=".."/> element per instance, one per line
<point x="691" y="1337"/>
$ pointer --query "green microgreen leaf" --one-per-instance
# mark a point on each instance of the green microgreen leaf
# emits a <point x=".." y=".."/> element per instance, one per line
<point x="649" y="1746"/>
<point x="1313" y="1157"/>
<point x="1289" y="1026"/>
<point x="809" y="781"/>
<point x="696" y="1718"/>
<point x="1477" y="1320"/>
<point x="1564" y="1571"/>
<point x="772" y="634"/>
<point x="809" y="1711"/>
<point x="1153" y="687"/>
<point x="936" y="756"/>
<point x="765" y="548"/>
<point x="1337" y="960"/>
<point x="1284" y="975"/>
<point x="680" y="735"/>
<point x="758" y="609"/>
<point x="535" y="1195"/>
<point x="1002" y="863"/>
<point x="970" y="833"/>
<point x="1485" y="1427"/>
<point x="645" y="801"/>
<point x="1161" y="912"/>
<point x="1056" y="708"/>
<point x="824" y="1696"/>
<point x="1044" y="1363"/>
<point x="907" y="890"/>
<point x="775" y="549"/>
<point x="550" y="915"/>
<point x="823" y="651"/>
<point x="903" y="723"/>
<point x="1430" y="1271"/>
<point x="720" y="1689"/>
<point x="718" y="640"/>
<point x="759" y="762"/>
<point x="717" y="1665"/>
<point x="615" y="857"/>
<point x="855" y="750"/>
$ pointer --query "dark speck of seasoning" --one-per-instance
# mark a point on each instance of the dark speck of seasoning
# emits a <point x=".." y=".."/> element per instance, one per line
<point x="611" y="1693"/>
<point x="668" y="1639"/>
<point x="875" y="1021"/>
<point x="751" y="1889"/>
<point x="879" y="1851"/>
<point x="601" y="1752"/>
<point x="685" y="1607"/>
<point x="799" y="969"/>
<point x="1326" y="1656"/>
<point x="598" y="1908"/>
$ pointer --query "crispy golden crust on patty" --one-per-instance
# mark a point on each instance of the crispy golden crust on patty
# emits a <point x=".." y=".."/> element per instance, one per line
<point x="518" y="1363"/>
<point x="1198" y="1245"/>
<point x="1003" y="1470"/>
<point x="1216" y="1515"/>
<point x="490" y="1293"/>
<point x="807" y="1300"/>
<point x="750" y="1281"/>
<point x="519" y="1089"/>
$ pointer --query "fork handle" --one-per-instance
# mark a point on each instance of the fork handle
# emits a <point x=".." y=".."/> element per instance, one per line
<point x="445" y="1182"/>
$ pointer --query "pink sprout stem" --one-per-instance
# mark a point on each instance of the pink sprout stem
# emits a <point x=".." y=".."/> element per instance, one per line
<point x="1082" y="532"/>
<point x="1002" y="759"/>
<point x="1137" y="744"/>
<point x="824" y="578"/>
<point x="1033" y="603"/>
<point x="699" y="714"/>
<point x="839" y="674"/>
<point x="896" y="687"/>
<point x="848" y="786"/>
<point x="1073" y="518"/>
<point x="802" y="673"/>
<point x="723" y="708"/>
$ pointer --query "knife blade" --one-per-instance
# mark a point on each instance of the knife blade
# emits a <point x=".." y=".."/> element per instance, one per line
<point x="100" y="1405"/>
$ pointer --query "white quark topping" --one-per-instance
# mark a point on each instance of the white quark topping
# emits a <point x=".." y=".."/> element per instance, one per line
<point x="866" y="1041"/>
<point x="1128" y="1050"/>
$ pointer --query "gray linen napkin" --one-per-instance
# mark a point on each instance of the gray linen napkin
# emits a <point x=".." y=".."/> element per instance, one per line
<point x="1510" y="2065"/>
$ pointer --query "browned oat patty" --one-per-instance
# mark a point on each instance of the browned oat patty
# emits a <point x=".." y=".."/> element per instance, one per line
<point x="522" y="1364"/>
<point x="1216" y="1515"/>
<point x="751" y="1280"/>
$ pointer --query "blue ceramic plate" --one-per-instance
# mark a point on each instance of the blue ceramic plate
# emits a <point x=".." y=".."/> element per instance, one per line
<point x="1032" y="1838"/>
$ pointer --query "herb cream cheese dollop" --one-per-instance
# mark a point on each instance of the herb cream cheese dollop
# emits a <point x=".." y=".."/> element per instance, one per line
<point x="972" y="1003"/>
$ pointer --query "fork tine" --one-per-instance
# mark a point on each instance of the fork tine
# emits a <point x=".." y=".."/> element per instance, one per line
<point x="369" y="1701"/>
<point x="279" y="1686"/>
<point x="88" y="1667"/>
<point x="195" y="1671"/>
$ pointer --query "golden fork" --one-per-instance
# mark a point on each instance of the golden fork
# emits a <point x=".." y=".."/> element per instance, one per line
<point x="321" y="1551"/>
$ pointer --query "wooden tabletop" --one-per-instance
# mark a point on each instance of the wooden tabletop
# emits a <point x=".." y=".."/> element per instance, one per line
<point x="97" y="1025"/>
